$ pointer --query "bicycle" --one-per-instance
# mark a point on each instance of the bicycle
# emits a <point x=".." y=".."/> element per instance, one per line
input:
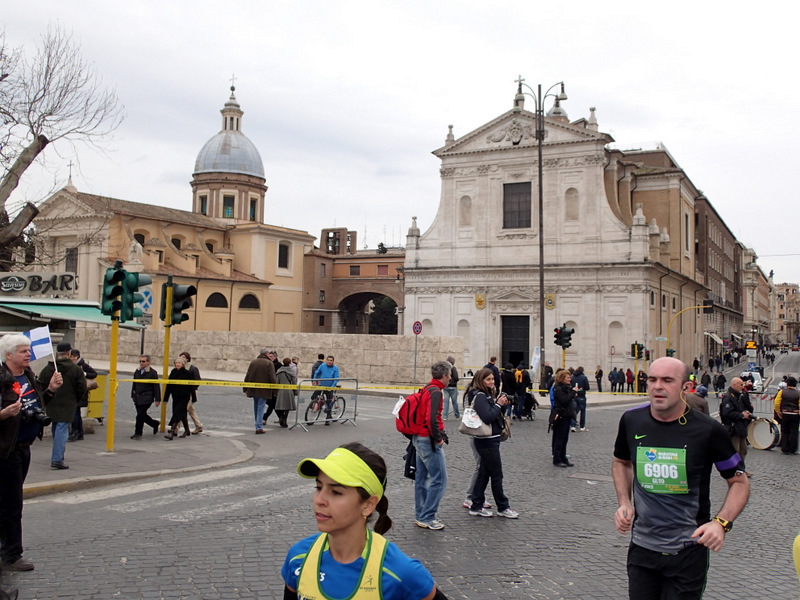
<point x="317" y="406"/>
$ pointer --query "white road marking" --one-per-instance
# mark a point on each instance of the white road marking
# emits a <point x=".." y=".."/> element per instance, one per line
<point x="106" y="494"/>
<point x="196" y="513"/>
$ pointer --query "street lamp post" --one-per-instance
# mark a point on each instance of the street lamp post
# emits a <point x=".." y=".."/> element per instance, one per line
<point x="539" y="99"/>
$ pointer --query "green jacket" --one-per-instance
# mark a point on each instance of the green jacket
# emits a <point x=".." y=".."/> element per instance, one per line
<point x="61" y="407"/>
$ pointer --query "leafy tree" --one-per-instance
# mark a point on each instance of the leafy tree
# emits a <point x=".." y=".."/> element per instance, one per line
<point x="383" y="317"/>
<point x="55" y="95"/>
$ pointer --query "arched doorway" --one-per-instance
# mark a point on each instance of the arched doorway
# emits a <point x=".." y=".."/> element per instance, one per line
<point x="366" y="312"/>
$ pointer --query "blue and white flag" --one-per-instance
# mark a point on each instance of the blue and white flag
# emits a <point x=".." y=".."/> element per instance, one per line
<point x="41" y="345"/>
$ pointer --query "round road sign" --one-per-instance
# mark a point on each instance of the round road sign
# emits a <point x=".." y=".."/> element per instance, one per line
<point x="417" y="328"/>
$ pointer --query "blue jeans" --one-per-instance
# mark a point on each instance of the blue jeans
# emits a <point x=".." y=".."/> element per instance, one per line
<point x="431" y="479"/>
<point x="60" y="435"/>
<point x="519" y="407"/>
<point x="258" y="408"/>
<point x="580" y="407"/>
<point x="450" y="394"/>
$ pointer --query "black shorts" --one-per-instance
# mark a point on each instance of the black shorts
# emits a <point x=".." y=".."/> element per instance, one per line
<point x="658" y="576"/>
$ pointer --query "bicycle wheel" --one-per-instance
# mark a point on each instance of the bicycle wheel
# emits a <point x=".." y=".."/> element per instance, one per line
<point x="313" y="411"/>
<point x="337" y="408"/>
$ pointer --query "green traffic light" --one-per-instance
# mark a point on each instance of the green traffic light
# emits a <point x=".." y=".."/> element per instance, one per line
<point x="112" y="290"/>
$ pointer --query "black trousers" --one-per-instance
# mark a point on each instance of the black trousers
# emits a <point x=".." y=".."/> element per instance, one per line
<point x="491" y="469"/>
<point x="657" y="576"/>
<point x="789" y="424"/>
<point x="142" y="417"/>
<point x="13" y="471"/>
<point x="560" y="439"/>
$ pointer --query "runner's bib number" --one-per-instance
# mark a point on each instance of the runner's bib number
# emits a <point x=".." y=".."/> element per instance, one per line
<point x="662" y="470"/>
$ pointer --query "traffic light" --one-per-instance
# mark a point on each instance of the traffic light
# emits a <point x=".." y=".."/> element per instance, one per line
<point x="647" y="355"/>
<point x="112" y="290"/>
<point x="557" y="336"/>
<point x="634" y="350"/>
<point x="708" y="307"/>
<point x="181" y="300"/>
<point x="130" y="296"/>
<point x="566" y="337"/>
<point x="670" y="351"/>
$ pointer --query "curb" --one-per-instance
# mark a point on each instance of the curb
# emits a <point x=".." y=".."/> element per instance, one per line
<point x="81" y="483"/>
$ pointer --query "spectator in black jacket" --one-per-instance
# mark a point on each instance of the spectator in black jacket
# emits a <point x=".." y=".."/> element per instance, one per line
<point x="76" y="430"/>
<point x="509" y="386"/>
<point x="580" y="383"/>
<point x="143" y="395"/>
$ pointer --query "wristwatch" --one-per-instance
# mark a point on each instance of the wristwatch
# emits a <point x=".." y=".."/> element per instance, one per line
<point x="726" y="525"/>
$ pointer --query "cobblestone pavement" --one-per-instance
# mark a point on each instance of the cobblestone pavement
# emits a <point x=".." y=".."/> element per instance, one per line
<point x="224" y="534"/>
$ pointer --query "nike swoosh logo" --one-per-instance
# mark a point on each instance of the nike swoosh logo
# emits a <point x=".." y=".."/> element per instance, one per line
<point x="638" y="437"/>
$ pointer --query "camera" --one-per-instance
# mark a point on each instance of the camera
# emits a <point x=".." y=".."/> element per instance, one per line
<point x="32" y="413"/>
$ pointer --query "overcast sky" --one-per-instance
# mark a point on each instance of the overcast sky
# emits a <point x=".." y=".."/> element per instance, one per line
<point x="345" y="100"/>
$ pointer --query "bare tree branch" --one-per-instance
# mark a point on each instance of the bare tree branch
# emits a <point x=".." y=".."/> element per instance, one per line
<point x="15" y="229"/>
<point x="54" y="96"/>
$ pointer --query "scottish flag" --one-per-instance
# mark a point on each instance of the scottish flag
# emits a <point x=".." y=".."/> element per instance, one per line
<point x="41" y="345"/>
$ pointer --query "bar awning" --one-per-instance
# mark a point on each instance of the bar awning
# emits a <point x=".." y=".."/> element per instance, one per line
<point x="61" y="311"/>
<point x="714" y="337"/>
<point x="738" y="337"/>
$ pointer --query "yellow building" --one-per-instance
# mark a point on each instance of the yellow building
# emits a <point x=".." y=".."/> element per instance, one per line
<point x="248" y="275"/>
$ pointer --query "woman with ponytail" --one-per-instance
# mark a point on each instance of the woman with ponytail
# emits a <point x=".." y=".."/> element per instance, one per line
<point x="347" y="560"/>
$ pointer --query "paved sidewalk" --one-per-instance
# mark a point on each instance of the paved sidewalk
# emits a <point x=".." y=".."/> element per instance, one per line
<point x="90" y="465"/>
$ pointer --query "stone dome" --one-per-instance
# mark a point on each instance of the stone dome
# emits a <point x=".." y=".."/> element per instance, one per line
<point x="230" y="151"/>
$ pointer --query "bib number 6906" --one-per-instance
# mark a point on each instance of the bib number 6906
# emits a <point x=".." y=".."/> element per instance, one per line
<point x="661" y="470"/>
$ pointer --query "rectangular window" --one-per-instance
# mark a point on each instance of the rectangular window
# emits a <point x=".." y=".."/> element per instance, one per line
<point x="71" y="260"/>
<point x="321" y="296"/>
<point x="203" y="205"/>
<point x="516" y="205"/>
<point x="253" y="204"/>
<point x="283" y="256"/>
<point x="322" y="270"/>
<point x="227" y="206"/>
<point x="686" y="233"/>
<point x="383" y="269"/>
<point x="355" y="270"/>
<point x="322" y="320"/>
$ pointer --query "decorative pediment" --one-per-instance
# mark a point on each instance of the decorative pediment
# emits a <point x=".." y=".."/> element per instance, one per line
<point x="518" y="129"/>
<point x="513" y="296"/>
<point x="63" y="205"/>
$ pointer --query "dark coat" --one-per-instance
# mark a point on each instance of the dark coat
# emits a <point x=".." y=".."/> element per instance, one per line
<point x="286" y="376"/>
<point x="145" y="393"/>
<point x="9" y="428"/>
<point x="563" y="405"/>
<point x="179" y="392"/>
<point x="61" y="407"/>
<point x="488" y="410"/>
<point x="261" y="370"/>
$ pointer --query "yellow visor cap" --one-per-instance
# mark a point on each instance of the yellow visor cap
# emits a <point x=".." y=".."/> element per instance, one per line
<point x="345" y="468"/>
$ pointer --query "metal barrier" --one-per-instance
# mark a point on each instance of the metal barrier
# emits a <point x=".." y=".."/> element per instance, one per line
<point x="312" y="403"/>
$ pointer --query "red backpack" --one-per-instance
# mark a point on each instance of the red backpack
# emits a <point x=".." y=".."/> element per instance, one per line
<point x="412" y="417"/>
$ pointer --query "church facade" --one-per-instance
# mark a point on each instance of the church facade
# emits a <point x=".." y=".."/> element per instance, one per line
<point x="618" y="247"/>
<point x="249" y="275"/>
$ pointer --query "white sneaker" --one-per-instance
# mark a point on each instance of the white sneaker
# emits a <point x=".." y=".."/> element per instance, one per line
<point x="508" y="514"/>
<point x="484" y="512"/>
<point x="572" y="429"/>
<point x="468" y="504"/>
<point x="584" y="429"/>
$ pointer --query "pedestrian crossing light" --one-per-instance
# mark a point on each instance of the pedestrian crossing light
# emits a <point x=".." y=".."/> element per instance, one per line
<point x="670" y="351"/>
<point x="131" y="296"/>
<point x="112" y="290"/>
<point x="181" y="301"/>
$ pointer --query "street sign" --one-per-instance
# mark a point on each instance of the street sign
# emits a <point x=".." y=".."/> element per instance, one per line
<point x="750" y="345"/>
<point x="417" y="328"/>
<point x="145" y="319"/>
<point x="613" y="350"/>
<point x="661" y="338"/>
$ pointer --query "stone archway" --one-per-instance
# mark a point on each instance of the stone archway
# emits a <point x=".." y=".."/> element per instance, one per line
<point x="356" y="311"/>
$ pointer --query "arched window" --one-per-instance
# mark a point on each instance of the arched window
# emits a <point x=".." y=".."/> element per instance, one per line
<point x="249" y="301"/>
<point x="427" y="326"/>
<point x="465" y="211"/>
<point x="217" y="300"/>
<point x="571" y="205"/>
<point x="139" y="237"/>
<point x="176" y="242"/>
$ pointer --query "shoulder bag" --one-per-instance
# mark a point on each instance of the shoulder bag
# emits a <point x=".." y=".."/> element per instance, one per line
<point x="471" y="423"/>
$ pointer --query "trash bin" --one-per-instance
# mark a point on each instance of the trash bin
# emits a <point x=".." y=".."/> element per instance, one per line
<point x="97" y="397"/>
